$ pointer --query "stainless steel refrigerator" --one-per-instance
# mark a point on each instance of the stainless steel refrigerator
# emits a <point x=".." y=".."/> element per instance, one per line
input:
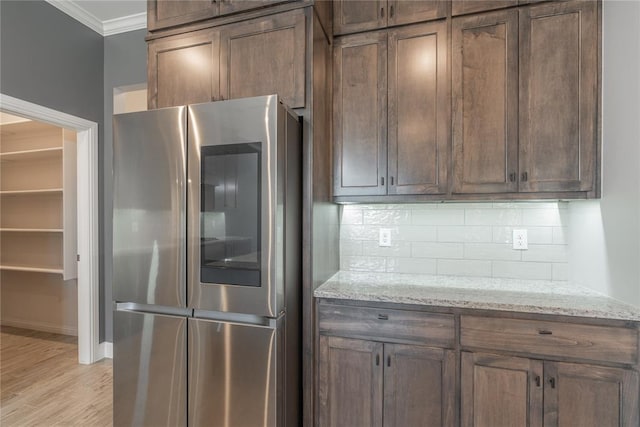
<point x="207" y="266"/>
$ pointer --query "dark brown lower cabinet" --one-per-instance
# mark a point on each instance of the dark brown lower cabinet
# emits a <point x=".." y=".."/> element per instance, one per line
<point x="369" y="383"/>
<point x="513" y="391"/>
<point x="590" y="396"/>
<point x="500" y="391"/>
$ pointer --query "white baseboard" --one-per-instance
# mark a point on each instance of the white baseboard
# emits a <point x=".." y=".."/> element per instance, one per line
<point x="41" y="326"/>
<point x="106" y="349"/>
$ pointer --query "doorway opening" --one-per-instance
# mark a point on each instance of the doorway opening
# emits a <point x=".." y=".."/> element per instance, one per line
<point x="90" y="350"/>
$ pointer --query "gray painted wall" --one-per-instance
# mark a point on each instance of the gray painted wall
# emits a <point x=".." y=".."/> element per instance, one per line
<point x="605" y="234"/>
<point x="50" y="59"/>
<point x="125" y="63"/>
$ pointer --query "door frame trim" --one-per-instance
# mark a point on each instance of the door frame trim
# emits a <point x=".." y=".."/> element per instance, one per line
<point x="89" y="348"/>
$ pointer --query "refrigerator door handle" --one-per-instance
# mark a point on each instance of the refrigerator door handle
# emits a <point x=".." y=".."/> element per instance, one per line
<point x="153" y="309"/>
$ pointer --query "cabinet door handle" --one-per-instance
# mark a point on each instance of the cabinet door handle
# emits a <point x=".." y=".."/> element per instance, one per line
<point x="377" y="360"/>
<point x="388" y="360"/>
<point x="524" y="177"/>
<point x="382" y="12"/>
<point x="391" y="12"/>
<point x="552" y="381"/>
<point x="537" y="380"/>
<point x="512" y="177"/>
<point x="383" y="316"/>
<point x="391" y="180"/>
<point x="382" y="181"/>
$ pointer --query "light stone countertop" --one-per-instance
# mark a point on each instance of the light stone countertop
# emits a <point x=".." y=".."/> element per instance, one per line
<point x="526" y="296"/>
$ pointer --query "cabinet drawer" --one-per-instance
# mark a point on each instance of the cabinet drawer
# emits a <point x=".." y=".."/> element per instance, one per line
<point x="544" y="338"/>
<point x="432" y="329"/>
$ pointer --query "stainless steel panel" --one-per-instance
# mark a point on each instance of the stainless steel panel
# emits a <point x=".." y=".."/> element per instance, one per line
<point x="149" y="370"/>
<point x="259" y="119"/>
<point x="149" y="201"/>
<point x="235" y="374"/>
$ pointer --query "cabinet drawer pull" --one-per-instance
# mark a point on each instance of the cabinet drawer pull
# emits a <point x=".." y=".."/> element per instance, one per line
<point x="545" y="332"/>
<point x="383" y="316"/>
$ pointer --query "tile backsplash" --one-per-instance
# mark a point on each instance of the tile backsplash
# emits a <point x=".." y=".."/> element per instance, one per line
<point x="460" y="239"/>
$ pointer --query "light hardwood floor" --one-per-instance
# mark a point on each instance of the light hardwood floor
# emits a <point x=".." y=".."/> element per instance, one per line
<point x="42" y="384"/>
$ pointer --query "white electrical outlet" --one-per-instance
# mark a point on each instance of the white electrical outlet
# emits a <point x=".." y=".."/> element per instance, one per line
<point x="520" y="240"/>
<point x="385" y="237"/>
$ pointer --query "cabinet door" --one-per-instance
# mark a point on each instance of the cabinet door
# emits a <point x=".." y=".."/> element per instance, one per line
<point x="169" y="13"/>
<point x="350" y="381"/>
<point x="500" y="391"/>
<point x="558" y="96"/>
<point x="418" y="105"/>
<point x="590" y="396"/>
<point x="184" y="69"/>
<point x="360" y="114"/>
<point x="419" y="386"/>
<point x="353" y="16"/>
<point x="409" y="11"/>
<point x="265" y="56"/>
<point x="233" y="6"/>
<point x="485" y="102"/>
<point x="461" y="7"/>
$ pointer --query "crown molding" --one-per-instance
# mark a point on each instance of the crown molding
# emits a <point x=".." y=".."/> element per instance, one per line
<point x="104" y="28"/>
<point x="124" y="24"/>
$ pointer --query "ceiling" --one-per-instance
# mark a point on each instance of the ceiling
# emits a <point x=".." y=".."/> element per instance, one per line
<point x="106" y="17"/>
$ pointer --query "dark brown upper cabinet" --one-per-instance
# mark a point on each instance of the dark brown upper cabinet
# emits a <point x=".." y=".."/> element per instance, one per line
<point x="171" y="13"/>
<point x="462" y="7"/>
<point x="184" y="69"/>
<point x="232" y="6"/>
<point x="257" y="57"/>
<point x="485" y="102"/>
<point x="264" y="56"/>
<point x="353" y="16"/>
<point x="391" y="112"/>
<point x="558" y="96"/>
<point x="525" y="100"/>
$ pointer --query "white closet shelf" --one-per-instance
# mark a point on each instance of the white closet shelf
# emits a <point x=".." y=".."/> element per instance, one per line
<point x="38" y="154"/>
<point x="27" y="192"/>
<point x="14" y="267"/>
<point x="32" y="230"/>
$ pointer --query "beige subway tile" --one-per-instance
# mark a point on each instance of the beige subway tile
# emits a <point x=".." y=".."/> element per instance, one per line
<point x="491" y="251"/>
<point x="363" y="263"/>
<point x="438" y="217"/>
<point x="464" y="233"/>
<point x="545" y="253"/>
<point x="501" y="217"/>
<point x="436" y="250"/>
<point x="522" y="270"/>
<point x="473" y="268"/>
<point x="387" y="217"/>
<point x="411" y="265"/>
<point x="397" y="249"/>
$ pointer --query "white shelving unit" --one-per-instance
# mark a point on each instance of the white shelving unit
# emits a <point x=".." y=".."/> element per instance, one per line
<point x="38" y="199"/>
